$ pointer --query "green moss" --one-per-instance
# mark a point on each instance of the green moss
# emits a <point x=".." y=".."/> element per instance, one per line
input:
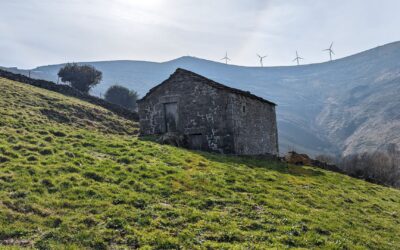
<point x="77" y="183"/>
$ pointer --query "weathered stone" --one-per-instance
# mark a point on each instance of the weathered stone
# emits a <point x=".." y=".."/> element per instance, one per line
<point x="210" y="115"/>
<point x="174" y="139"/>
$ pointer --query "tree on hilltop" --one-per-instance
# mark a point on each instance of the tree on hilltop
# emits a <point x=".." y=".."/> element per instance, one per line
<point x="80" y="77"/>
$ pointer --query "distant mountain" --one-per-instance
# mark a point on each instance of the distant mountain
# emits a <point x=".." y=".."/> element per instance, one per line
<point x="340" y="107"/>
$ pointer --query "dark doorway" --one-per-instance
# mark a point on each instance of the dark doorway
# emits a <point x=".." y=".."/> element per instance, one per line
<point x="171" y="116"/>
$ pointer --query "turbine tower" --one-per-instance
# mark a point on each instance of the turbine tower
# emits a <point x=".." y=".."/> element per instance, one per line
<point x="330" y="51"/>
<point x="261" y="59"/>
<point x="298" y="58"/>
<point x="226" y="58"/>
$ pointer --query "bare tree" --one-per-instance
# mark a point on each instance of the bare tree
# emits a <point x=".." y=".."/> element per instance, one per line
<point x="382" y="167"/>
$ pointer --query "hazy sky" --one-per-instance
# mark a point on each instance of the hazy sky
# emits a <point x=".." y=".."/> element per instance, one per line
<point x="40" y="32"/>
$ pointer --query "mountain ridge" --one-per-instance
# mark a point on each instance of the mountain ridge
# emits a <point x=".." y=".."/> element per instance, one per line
<point x="316" y="102"/>
<point x="395" y="43"/>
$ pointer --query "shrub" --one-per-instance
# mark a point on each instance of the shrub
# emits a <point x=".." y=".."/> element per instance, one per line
<point x="122" y="96"/>
<point x="382" y="167"/>
<point x="327" y="159"/>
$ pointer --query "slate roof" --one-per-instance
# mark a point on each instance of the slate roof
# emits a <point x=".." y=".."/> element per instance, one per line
<point x="209" y="82"/>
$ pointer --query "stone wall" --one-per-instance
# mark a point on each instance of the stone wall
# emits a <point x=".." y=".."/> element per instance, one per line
<point x="202" y="113"/>
<point x="217" y="119"/>
<point x="254" y="126"/>
<point x="69" y="91"/>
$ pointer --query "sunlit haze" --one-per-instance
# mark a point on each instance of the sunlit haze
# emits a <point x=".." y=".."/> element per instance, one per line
<point x="41" y="32"/>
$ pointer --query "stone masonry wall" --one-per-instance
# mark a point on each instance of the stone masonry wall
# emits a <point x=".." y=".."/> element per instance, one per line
<point x="226" y="122"/>
<point x="202" y="112"/>
<point x="254" y="126"/>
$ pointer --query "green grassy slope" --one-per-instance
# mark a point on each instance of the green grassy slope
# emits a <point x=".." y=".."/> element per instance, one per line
<point x="73" y="175"/>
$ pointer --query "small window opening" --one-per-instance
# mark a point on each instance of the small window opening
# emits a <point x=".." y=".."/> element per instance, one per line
<point x="244" y="109"/>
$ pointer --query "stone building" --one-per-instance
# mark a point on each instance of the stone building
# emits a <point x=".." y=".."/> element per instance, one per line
<point x="211" y="116"/>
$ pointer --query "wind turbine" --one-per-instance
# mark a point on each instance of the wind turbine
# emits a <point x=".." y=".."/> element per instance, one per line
<point x="261" y="59"/>
<point x="226" y="58"/>
<point x="298" y="58"/>
<point x="330" y="51"/>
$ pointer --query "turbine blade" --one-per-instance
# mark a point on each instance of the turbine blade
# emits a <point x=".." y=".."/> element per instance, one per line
<point x="331" y="45"/>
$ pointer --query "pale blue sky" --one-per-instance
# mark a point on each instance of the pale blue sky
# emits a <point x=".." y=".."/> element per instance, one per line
<point x="40" y="32"/>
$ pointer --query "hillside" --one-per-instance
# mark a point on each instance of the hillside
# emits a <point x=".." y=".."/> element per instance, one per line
<point x="341" y="107"/>
<point x="75" y="176"/>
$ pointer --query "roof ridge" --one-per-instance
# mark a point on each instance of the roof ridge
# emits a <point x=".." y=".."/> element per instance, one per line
<point x="211" y="83"/>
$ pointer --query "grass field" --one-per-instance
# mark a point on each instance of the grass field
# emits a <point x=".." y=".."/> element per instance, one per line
<point x="73" y="176"/>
